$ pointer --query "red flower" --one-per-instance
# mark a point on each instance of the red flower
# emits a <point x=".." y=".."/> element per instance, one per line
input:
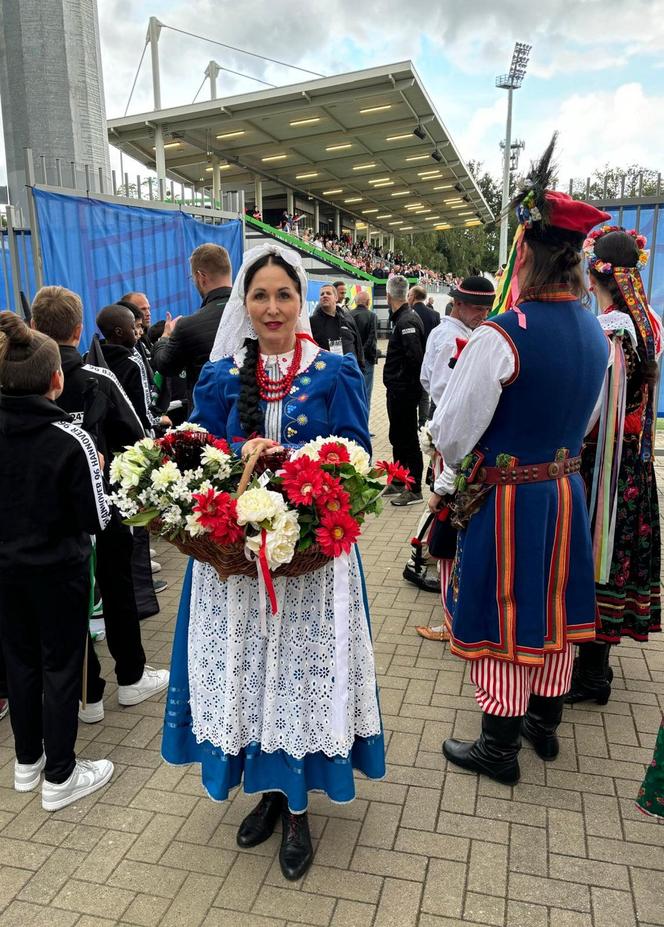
<point x="337" y="533"/>
<point x="302" y="480"/>
<point x="395" y="471"/>
<point x="218" y="512"/>
<point x="333" y="453"/>
<point x="221" y="445"/>
<point x="332" y="497"/>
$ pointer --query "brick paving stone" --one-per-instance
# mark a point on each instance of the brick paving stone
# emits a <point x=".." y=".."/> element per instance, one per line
<point x="444" y="888"/>
<point x="399" y="904"/>
<point x="11" y="882"/>
<point x="549" y="891"/>
<point x="611" y="908"/>
<point x="380" y="825"/>
<point x="421" y="808"/>
<point x="96" y="900"/>
<point x="484" y="909"/>
<point x="352" y="914"/>
<point x="648" y="895"/>
<point x="528" y="850"/>
<point x="526" y="915"/>
<point x="295" y="906"/>
<point x="560" y="918"/>
<point x="488" y="868"/>
<point x="193" y="901"/>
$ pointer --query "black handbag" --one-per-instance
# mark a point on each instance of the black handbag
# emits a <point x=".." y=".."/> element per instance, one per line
<point x="442" y="536"/>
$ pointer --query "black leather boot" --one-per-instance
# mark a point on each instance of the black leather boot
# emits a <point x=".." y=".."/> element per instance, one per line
<point x="259" y="824"/>
<point x="540" y="724"/>
<point x="421" y="578"/>
<point x="494" y="754"/>
<point x="296" y="853"/>
<point x="591" y="680"/>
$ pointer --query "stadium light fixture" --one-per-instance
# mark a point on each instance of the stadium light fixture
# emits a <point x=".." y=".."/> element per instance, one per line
<point x="365" y="212"/>
<point x="385" y="215"/>
<point x="375" y="109"/>
<point x="444" y="186"/>
<point x="384" y="183"/>
<point x="418" y="158"/>
<point x="339" y="147"/>
<point x="354" y="199"/>
<point x="279" y="157"/>
<point x="436" y="155"/>
<point x="420" y="132"/>
<point x="510" y="82"/>
<point x="378" y="179"/>
<point x="396" y="222"/>
<point x="364" y="167"/>
<point x="412" y="205"/>
<point x="397" y="138"/>
<point x="407" y="228"/>
<point x="305" y="122"/>
<point x="330" y="192"/>
<point x="232" y="134"/>
<point x="401" y="193"/>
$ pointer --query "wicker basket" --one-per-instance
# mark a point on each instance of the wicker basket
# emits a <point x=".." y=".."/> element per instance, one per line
<point x="231" y="560"/>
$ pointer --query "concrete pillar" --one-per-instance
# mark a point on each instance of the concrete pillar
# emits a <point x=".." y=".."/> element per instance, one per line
<point x="337" y="222"/>
<point x="354" y="234"/>
<point x="316" y="217"/>
<point x="290" y="202"/>
<point x="258" y="192"/>
<point x="391" y="242"/>
<point x="52" y="90"/>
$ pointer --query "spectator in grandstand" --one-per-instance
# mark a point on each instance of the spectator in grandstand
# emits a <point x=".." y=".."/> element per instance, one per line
<point x="97" y="402"/>
<point x="187" y="342"/>
<point x="333" y="327"/>
<point x="401" y="377"/>
<point x="367" y="325"/>
<point x="51" y="501"/>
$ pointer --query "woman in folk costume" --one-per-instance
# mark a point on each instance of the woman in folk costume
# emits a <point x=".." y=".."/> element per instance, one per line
<point x="618" y="462"/>
<point x="651" y="794"/>
<point x="510" y="430"/>
<point x="262" y="706"/>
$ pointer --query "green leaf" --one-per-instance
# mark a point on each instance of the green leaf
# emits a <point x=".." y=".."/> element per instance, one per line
<point x="142" y="519"/>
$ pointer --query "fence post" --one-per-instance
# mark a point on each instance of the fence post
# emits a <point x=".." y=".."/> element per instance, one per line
<point x="87" y="178"/>
<point x="150" y="188"/>
<point x="42" y="158"/>
<point x="34" y="224"/>
<point x="58" y="170"/>
<point x="13" y="261"/>
<point x="138" y="187"/>
<point x="126" y="184"/>
<point x="74" y="185"/>
<point x="101" y="180"/>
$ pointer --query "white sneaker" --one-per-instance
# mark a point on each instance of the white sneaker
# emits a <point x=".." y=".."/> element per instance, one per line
<point x="27" y="775"/>
<point x="153" y="552"/>
<point x="155" y="567"/>
<point x="88" y="776"/>
<point x="92" y="713"/>
<point x="151" y="682"/>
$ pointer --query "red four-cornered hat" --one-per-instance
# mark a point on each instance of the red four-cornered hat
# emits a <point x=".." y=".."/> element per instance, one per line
<point x="573" y="215"/>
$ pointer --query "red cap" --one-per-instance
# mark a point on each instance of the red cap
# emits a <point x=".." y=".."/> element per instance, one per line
<point x="573" y="215"/>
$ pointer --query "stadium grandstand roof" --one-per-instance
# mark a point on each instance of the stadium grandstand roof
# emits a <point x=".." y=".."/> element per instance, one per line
<point x="369" y="143"/>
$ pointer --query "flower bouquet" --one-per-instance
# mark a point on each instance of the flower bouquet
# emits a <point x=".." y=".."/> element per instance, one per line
<point x="191" y="489"/>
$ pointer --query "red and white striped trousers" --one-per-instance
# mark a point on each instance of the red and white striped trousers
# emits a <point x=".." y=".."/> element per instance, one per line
<point x="504" y="688"/>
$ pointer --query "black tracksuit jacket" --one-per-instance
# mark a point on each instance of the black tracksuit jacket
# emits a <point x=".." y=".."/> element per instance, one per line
<point x="51" y="492"/>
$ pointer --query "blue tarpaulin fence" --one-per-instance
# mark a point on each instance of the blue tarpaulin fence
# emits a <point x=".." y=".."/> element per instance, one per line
<point x="102" y="250"/>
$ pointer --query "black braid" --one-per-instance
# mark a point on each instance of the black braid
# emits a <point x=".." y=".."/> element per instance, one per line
<point x="251" y="414"/>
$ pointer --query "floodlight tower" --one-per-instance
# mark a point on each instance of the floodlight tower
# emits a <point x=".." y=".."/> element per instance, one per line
<point x="510" y="82"/>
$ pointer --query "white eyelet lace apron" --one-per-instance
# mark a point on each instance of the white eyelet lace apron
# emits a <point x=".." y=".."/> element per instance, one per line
<point x="279" y="690"/>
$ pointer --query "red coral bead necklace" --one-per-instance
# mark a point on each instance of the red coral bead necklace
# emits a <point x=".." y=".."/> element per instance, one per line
<point x="276" y="390"/>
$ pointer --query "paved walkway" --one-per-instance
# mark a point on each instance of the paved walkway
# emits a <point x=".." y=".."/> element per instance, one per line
<point x="430" y="845"/>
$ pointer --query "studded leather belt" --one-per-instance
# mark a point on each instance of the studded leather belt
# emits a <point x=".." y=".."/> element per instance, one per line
<point x="532" y="473"/>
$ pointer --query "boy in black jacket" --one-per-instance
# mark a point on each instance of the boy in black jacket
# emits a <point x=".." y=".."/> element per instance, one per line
<point x="51" y="500"/>
<point x="94" y="397"/>
<point x="117" y="325"/>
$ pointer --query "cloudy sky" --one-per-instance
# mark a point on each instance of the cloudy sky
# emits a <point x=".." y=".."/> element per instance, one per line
<point x="596" y="72"/>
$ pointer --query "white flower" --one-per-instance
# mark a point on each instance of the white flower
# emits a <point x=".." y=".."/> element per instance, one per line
<point x="187" y="426"/>
<point x="358" y="456"/>
<point x="218" y="461"/>
<point x="259" y="505"/>
<point x="172" y="517"/>
<point x="426" y="440"/>
<point x="194" y="527"/>
<point x="280" y="540"/>
<point x="167" y="474"/>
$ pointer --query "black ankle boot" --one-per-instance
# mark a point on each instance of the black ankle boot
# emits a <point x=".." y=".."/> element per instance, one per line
<point x="421" y="578"/>
<point x="591" y="680"/>
<point x="494" y="754"/>
<point x="296" y="853"/>
<point x="259" y="824"/>
<point x="541" y="722"/>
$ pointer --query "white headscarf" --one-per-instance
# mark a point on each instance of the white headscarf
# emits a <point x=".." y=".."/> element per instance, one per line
<point x="235" y="323"/>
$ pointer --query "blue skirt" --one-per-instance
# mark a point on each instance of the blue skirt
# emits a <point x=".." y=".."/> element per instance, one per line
<point x="258" y="771"/>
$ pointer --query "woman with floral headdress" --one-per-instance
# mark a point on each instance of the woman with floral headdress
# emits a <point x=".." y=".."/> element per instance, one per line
<point x="618" y="462"/>
<point x="259" y="705"/>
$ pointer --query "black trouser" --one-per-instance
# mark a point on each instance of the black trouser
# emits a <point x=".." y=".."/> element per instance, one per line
<point x="146" y="600"/>
<point x="402" y="408"/>
<point x="123" y="631"/>
<point x="43" y="625"/>
<point x="3" y="674"/>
